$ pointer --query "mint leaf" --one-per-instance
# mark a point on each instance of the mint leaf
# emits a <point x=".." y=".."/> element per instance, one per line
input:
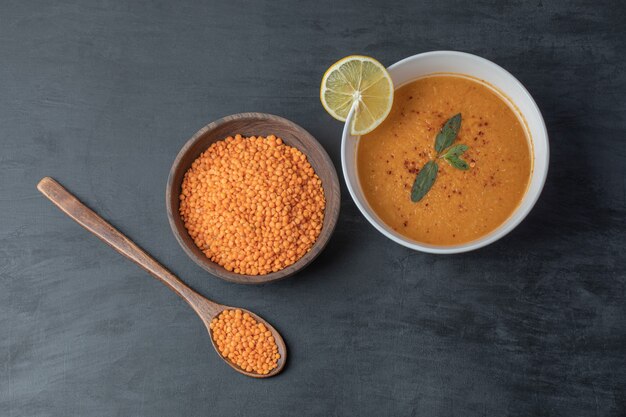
<point x="457" y="162"/>
<point x="448" y="133"/>
<point x="424" y="181"/>
<point x="456" y="150"/>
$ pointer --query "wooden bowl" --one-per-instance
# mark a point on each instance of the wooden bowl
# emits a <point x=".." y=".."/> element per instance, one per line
<point x="253" y="124"/>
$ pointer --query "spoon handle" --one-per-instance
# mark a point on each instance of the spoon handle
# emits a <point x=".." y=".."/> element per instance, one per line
<point x="91" y="221"/>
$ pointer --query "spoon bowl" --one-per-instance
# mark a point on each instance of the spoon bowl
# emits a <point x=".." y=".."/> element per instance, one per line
<point x="282" y="348"/>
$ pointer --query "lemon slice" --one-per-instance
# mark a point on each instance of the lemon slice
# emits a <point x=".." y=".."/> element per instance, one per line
<point x="362" y="82"/>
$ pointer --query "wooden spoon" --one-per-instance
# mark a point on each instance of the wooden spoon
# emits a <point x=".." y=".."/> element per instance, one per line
<point x="205" y="308"/>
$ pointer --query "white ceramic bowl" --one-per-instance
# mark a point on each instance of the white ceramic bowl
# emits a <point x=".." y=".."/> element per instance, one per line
<point x="460" y="63"/>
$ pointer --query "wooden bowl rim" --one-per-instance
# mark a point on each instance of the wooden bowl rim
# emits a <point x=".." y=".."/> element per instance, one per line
<point x="331" y="210"/>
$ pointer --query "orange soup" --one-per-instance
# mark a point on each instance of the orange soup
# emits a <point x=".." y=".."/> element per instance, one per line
<point x="462" y="205"/>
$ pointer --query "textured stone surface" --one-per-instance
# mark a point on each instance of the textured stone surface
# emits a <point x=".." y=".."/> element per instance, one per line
<point x="102" y="94"/>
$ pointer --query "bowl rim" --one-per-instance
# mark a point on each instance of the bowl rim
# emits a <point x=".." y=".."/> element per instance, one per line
<point x="331" y="210"/>
<point x="520" y="212"/>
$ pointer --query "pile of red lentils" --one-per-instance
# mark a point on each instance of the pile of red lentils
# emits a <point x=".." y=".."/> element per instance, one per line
<point x="252" y="204"/>
<point x="244" y="341"/>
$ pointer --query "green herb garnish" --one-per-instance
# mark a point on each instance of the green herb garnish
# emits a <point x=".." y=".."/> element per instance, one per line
<point x="424" y="180"/>
<point x="453" y="156"/>
<point x="448" y="133"/>
<point x="444" y="140"/>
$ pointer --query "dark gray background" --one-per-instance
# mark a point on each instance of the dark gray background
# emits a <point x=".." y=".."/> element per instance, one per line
<point x="102" y="94"/>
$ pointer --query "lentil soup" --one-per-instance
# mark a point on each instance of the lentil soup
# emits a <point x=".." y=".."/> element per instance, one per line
<point x="462" y="205"/>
